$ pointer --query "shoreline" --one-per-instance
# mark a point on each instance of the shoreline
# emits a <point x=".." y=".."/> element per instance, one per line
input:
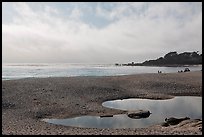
<point x="4" y="79"/>
<point x="27" y="101"/>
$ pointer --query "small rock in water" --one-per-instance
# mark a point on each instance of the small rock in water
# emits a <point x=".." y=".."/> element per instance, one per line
<point x="138" y="114"/>
<point x="175" y="121"/>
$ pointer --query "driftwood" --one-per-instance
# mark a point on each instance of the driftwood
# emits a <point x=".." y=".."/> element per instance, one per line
<point x="106" y="116"/>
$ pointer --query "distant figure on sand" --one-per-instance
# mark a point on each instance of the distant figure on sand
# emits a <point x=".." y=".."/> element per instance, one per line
<point x="186" y="70"/>
<point x="159" y="71"/>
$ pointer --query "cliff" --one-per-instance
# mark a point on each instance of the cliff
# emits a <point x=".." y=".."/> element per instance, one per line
<point x="172" y="59"/>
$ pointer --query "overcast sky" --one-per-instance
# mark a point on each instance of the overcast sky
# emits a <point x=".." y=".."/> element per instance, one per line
<point x="98" y="32"/>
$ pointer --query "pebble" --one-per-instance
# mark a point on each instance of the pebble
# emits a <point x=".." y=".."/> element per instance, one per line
<point x="38" y="127"/>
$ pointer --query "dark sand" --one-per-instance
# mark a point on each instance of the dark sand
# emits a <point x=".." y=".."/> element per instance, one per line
<point x="25" y="102"/>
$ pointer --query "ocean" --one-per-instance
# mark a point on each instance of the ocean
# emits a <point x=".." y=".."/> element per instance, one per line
<point x="12" y="71"/>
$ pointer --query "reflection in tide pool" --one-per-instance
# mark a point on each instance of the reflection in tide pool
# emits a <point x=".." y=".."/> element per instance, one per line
<point x="182" y="106"/>
<point x="117" y="121"/>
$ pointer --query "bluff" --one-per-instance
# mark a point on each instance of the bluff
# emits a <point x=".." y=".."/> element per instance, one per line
<point x="172" y="59"/>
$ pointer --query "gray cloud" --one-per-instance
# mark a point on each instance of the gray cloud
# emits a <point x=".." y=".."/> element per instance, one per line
<point x="156" y="29"/>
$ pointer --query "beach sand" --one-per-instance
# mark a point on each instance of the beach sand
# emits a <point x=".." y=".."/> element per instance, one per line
<point x="25" y="102"/>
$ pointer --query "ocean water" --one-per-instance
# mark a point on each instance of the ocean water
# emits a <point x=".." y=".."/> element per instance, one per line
<point x="25" y="70"/>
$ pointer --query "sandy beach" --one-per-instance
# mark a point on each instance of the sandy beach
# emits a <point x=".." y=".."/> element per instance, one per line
<point x="25" y="102"/>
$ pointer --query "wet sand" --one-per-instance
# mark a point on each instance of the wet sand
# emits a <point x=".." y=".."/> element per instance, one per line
<point x="26" y="102"/>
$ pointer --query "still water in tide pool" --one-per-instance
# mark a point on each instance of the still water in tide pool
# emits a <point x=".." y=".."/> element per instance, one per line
<point x="180" y="106"/>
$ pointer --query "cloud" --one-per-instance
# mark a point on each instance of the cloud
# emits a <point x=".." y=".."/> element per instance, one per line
<point x="135" y="32"/>
<point x="76" y="13"/>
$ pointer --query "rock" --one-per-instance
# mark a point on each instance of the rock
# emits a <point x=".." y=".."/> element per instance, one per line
<point x="164" y="124"/>
<point x="41" y="114"/>
<point x="175" y="121"/>
<point x="200" y="129"/>
<point x="7" y="105"/>
<point x="138" y="114"/>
